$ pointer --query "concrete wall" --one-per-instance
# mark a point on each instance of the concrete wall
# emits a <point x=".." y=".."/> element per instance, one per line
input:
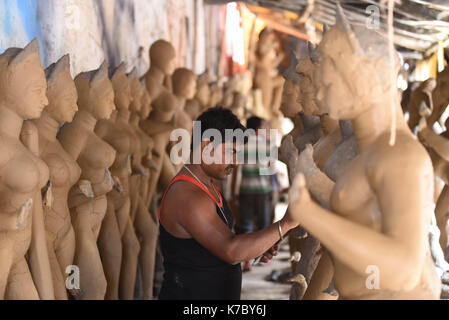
<point x="115" y="30"/>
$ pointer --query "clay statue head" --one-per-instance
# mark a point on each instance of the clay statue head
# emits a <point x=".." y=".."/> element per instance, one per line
<point x="95" y="92"/>
<point x="266" y="42"/>
<point x="122" y="91"/>
<point x="355" y="65"/>
<point x="22" y="81"/>
<point x="203" y="91"/>
<point x="136" y="90"/>
<point x="184" y="83"/>
<point x="162" y="56"/>
<point x="146" y="102"/>
<point x="440" y="94"/>
<point x="307" y="96"/>
<point x="192" y="108"/>
<point x="228" y="98"/>
<point x="290" y="106"/>
<point x="61" y="91"/>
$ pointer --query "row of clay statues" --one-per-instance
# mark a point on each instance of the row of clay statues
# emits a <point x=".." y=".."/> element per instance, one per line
<point x="365" y="203"/>
<point x="80" y="162"/>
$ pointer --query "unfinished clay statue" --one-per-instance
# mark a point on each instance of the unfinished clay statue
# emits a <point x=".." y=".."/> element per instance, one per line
<point x="184" y="88"/>
<point x="22" y="96"/>
<point x="302" y="244"/>
<point x="266" y="76"/>
<point x="421" y="95"/>
<point x="64" y="171"/>
<point x="146" y="227"/>
<point x="164" y="104"/>
<point x="119" y="260"/>
<point x="381" y="229"/>
<point x="194" y="107"/>
<point x="440" y="96"/>
<point x="87" y="199"/>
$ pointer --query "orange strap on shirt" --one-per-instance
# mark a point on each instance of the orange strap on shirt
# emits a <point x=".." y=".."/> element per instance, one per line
<point x="190" y="179"/>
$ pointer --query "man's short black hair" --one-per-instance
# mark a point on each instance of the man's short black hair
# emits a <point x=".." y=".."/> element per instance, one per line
<point x="220" y="119"/>
<point x="254" y="122"/>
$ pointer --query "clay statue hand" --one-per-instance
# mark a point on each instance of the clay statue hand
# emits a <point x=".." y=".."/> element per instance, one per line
<point x="305" y="163"/>
<point x="128" y="165"/>
<point x="155" y="153"/>
<point x="86" y="188"/>
<point x="108" y="179"/>
<point x="153" y="166"/>
<point x="18" y="220"/>
<point x="299" y="197"/>
<point x="24" y="213"/>
<point x="47" y="195"/>
<point x="289" y="154"/>
<point x="139" y="169"/>
<point x="118" y="185"/>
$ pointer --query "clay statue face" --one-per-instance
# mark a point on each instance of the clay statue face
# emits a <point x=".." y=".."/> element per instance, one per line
<point x="307" y="93"/>
<point x="23" y="82"/>
<point x="62" y="97"/>
<point x="290" y="106"/>
<point x="353" y="74"/>
<point x="203" y="94"/>
<point x="184" y="83"/>
<point x="103" y="99"/>
<point x="191" y="90"/>
<point x="170" y="66"/>
<point x="163" y="56"/>
<point x="122" y="91"/>
<point x="136" y="93"/>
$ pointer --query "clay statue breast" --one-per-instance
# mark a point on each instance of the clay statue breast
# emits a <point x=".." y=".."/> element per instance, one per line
<point x="116" y="136"/>
<point x="63" y="171"/>
<point x="24" y="173"/>
<point x="98" y="154"/>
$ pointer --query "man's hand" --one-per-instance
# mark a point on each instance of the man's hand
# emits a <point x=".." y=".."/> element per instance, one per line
<point x="269" y="254"/>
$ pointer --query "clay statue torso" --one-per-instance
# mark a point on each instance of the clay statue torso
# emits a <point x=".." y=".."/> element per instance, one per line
<point x="119" y="138"/>
<point x="362" y="208"/>
<point x="64" y="173"/>
<point x="343" y="153"/>
<point x="22" y="175"/>
<point x="95" y="157"/>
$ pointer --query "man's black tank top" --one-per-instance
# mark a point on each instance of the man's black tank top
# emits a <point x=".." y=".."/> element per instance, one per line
<point x="192" y="271"/>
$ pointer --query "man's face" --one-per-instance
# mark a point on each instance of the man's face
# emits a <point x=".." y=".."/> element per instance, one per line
<point x="218" y="161"/>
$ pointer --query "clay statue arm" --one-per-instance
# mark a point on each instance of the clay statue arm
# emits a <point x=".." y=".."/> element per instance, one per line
<point x="106" y="185"/>
<point x="72" y="143"/>
<point x="318" y="183"/>
<point x="436" y="142"/>
<point x="400" y="247"/>
<point x="38" y="253"/>
<point x="38" y="259"/>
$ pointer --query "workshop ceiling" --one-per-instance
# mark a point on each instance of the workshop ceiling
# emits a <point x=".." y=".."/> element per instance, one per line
<point x="419" y="25"/>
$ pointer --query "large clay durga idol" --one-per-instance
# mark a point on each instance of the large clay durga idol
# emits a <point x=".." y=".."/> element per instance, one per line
<point x="380" y="207"/>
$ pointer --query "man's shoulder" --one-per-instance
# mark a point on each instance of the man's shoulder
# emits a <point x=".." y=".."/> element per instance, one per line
<point x="187" y="195"/>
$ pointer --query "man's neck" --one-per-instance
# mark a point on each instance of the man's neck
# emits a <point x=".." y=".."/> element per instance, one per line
<point x="200" y="174"/>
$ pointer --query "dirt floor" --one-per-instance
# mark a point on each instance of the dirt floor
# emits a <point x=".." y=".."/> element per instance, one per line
<point x="255" y="285"/>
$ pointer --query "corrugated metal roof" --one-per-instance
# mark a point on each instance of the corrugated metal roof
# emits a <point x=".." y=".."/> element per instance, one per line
<point x="419" y="25"/>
